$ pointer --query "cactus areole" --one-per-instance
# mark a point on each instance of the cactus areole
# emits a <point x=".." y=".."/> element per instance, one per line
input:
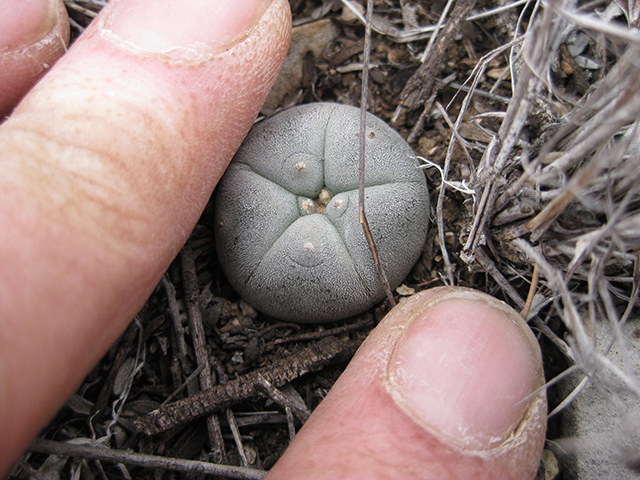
<point x="286" y="220"/>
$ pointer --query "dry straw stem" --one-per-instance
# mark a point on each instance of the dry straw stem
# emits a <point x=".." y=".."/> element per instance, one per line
<point x="539" y="52"/>
<point x="413" y="34"/>
<point x="569" y="202"/>
<point x="361" y="161"/>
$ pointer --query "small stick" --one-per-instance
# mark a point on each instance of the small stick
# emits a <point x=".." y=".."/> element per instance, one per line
<point x="280" y="372"/>
<point x="33" y="473"/>
<point x="560" y="344"/>
<point x="332" y="332"/>
<point x="84" y="11"/>
<point x="281" y="399"/>
<point x="189" y="379"/>
<point x="532" y="292"/>
<point x="418" y="128"/>
<point x="146" y="461"/>
<point x="432" y="40"/>
<point x="483" y="259"/>
<point x="174" y="313"/>
<point x="235" y="431"/>
<point x="363" y="117"/>
<point x="290" y="424"/>
<point x="191" y="289"/>
<point x="175" y="367"/>
<point x="420" y="86"/>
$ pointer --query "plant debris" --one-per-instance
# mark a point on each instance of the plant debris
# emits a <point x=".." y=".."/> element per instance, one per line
<point x="527" y="123"/>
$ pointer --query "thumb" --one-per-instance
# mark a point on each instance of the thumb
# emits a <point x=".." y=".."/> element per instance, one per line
<point x="435" y="392"/>
<point x="105" y="168"/>
<point x="33" y="34"/>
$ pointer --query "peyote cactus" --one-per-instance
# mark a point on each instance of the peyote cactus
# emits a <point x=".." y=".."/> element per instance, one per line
<point x="286" y="222"/>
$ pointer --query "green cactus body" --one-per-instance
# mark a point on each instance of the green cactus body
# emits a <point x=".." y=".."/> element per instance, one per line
<point x="286" y="221"/>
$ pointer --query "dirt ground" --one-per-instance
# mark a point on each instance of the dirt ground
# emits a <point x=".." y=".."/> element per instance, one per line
<point x="152" y="365"/>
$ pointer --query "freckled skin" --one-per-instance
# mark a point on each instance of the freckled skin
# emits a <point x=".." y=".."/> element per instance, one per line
<point x="286" y="224"/>
<point x="105" y="168"/>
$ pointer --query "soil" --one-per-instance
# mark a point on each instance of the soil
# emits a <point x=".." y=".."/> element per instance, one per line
<point x="239" y="340"/>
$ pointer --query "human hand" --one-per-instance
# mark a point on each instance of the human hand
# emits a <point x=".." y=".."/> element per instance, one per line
<point x="104" y="169"/>
<point x="439" y="390"/>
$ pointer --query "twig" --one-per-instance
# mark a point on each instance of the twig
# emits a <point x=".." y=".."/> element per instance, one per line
<point x="560" y="344"/>
<point x="455" y="130"/>
<point x="541" y="43"/>
<point x="251" y="419"/>
<point x="184" y="385"/>
<point x="443" y="15"/>
<point x="579" y="182"/>
<point x="478" y="73"/>
<point x="280" y="372"/>
<point x="440" y="213"/>
<point x="421" y="33"/>
<point x="484" y="260"/>
<point x="332" y="332"/>
<point x="420" y="85"/>
<point x="569" y="398"/>
<point x="582" y="347"/>
<point x="290" y="423"/>
<point x="191" y="289"/>
<point x="237" y="438"/>
<point x="118" y="405"/>
<point x="532" y="291"/>
<point x="587" y="243"/>
<point x="281" y="399"/>
<point x="445" y="173"/>
<point x="611" y="29"/>
<point x="174" y="313"/>
<point x="33" y="473"/>
<point x="75" y="25"/>
<point x="175" y="367"/>
<point x="145" y="461"/>
<point x="480" y="93"/>
<point x="84" y="11"/>
<point x="363" y="131"/>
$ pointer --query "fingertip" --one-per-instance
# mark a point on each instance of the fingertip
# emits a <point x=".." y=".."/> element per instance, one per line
<point x="463" y="367"/>
<point x="106" y="166"/>
<point x="24" y="23"/>
<point x="445" y="387"/>
<point x="33" y="35"/>
<point x="198" y="39"/>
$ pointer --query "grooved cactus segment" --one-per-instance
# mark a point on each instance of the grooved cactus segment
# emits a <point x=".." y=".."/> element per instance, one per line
<point x="286" y="221"/>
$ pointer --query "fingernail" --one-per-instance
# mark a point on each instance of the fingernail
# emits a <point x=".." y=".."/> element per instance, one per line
<point x="462" y="369"/>
<point x="183" y="29"/>
<point x="25" y="22"/>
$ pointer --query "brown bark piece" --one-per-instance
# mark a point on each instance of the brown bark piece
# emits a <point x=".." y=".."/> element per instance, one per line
<point x="310" y="359"/>
<point x="420" y="85"/>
